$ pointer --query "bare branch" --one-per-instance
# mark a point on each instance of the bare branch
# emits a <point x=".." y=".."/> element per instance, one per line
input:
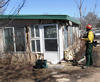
<point x="77" y="4"/>
<point x="95" y="6"/>
<point x="5" y="4"/>
<point x="84" y="12"/>
<point x="4" y="9"/>
<point x="17" y="10"/>
<point x="82" y="2"/>
<point x="21" y="6"/>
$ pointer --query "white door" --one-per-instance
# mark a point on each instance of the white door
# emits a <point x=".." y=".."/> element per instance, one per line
<point x="51" y="43"/>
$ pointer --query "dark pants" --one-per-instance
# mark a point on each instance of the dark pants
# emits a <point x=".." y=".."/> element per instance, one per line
<point x="89" y="48"/>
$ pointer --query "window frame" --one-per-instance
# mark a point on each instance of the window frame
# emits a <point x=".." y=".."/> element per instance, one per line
<point x="14" y="42"/>
<point x="57" y="31"/>
<point x="24" y="39"/>
<point x="35" y="38"/>
<point x="4" y="37"/>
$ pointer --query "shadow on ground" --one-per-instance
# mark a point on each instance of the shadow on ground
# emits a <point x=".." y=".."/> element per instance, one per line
<point x="26" y="73"/>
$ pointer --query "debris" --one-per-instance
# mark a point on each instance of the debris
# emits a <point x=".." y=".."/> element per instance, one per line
<point x="57" y="66"/>
<point x="63" y="80"/>
<point x="78" y="77"/>
<point x="41" y="64"/>
<point x="53" y="73"/>
<point x="81" y="60"/>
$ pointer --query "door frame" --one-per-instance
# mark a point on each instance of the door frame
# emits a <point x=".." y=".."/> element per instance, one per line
<point x="58" y="43"/>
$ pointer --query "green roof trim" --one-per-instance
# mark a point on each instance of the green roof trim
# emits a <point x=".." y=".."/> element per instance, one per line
<point x="52" y="17"/>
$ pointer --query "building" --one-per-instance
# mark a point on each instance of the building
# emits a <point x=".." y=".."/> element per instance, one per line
<point x="29" y="37"/>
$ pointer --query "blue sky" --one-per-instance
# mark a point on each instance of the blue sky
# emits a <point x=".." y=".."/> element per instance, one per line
<point x="66" y="7"/>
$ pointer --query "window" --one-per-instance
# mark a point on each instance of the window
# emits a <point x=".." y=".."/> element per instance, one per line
<point x="20" y="39"/>
<point x="50" y="32"/>
<point x="51" y="44"/>
<point x="50" y="38"/>
<point x="35" y="38"/>
<point x="14" y="39"/>
<point x="38" y="45"/>
<point x="33" y="45"/>
<point x="9" y="43"/>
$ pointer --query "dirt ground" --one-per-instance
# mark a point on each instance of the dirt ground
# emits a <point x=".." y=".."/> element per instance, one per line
<point x="54" y="73"/>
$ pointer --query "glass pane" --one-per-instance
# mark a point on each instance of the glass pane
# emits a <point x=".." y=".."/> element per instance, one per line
<point x="33" y="45"/>
<point x="51" y="45"/>
<point x="20" y="39"/>
<point x="37" y="31"/>
<point x="9" y="44"/>
<point x="38" y="45"/>
<point x="50" y="32"/>
<point x="32" y="32"/>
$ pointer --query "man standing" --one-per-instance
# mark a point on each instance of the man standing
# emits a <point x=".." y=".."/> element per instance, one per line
<point x="89" y="46"/>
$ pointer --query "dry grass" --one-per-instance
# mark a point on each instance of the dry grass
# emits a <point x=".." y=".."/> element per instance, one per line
<point x="26" y="73"/>
<point x="96" y="56"/>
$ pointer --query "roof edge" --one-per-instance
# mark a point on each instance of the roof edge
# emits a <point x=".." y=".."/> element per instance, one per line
<point x="56" y="17"/>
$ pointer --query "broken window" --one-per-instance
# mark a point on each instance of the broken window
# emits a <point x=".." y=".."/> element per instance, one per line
<point x="20" y="39"/>
<point x="35" y="38"/>
<point x="14" y="39"/>
<point x="9" y="43"/>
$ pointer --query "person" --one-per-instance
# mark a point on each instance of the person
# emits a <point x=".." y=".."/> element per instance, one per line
<point x="89" y="46"/>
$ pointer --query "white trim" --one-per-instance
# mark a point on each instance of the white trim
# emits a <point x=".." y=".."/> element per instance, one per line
<point x="14" y="40"/>
<point x="8" y="27"/>
<point x="52" y="56"/>
<point x="41" y="39"/>
<point x="61" y="43"/>
<point x="58" y="41"/>
<point x="30" y="38"/>
<point x="34" y="38"/>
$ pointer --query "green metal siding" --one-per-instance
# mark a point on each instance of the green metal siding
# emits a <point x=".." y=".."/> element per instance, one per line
<point x="49" y="17"/>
